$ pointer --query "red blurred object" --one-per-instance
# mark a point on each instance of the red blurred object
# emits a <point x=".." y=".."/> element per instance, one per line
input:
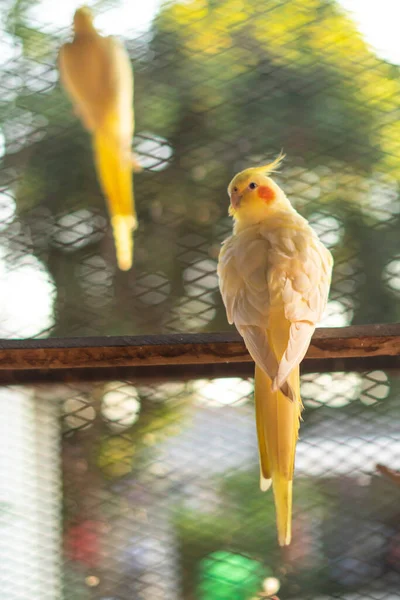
<point x="82" y="543"/>
<point x="393" y="558"/>
<point x="299" y="553"/>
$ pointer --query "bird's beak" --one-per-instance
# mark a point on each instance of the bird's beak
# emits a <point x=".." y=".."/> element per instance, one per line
<point x="236" y="198"/>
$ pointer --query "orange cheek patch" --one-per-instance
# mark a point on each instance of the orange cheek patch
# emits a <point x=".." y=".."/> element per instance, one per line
<point x="266" y="193"/>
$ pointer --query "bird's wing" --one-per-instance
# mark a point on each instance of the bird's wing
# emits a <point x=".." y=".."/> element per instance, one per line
<point x="242" y="271"/>
<point x="299" y="276"/>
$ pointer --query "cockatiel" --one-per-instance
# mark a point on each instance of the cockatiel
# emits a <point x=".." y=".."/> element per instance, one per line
<point x="97" y="74"/>
<point x="274" y="277"/>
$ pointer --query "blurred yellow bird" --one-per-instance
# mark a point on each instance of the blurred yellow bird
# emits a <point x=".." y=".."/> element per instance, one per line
<point x="97" y="74"/>
<point x="274" y="277"/>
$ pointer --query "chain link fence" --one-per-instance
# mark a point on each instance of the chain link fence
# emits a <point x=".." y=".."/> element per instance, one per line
<point x="218" y="86"/>
<point x="160" y="481"/>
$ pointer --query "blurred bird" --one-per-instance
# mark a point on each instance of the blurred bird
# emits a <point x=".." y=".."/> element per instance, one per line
<point x="274" y="277"/>
<point x="97" y="74"/>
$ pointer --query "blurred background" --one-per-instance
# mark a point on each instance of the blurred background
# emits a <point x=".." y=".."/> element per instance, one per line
<point x="120" y="490"/>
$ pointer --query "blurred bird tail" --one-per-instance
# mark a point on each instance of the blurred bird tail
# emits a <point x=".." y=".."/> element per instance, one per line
<point x="114" y="170"/>
<point x="277" y="419"/>
<point x="136" y="166"/>
<point x="123" y="238"/>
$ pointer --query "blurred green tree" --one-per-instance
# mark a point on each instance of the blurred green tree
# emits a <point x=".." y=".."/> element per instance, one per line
<point x="222" y="85"/>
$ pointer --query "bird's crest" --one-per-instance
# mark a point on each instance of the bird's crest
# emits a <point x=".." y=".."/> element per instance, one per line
<point x="242" y="177"/>
<point x="271" y="167"/>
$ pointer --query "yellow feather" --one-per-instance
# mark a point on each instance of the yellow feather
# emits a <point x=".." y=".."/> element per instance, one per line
<point x="261" y="400"/>
<point x="115" y="175"/>
<point x="245" y="175"/>
<point x="273" y="166"/>
<point x="83" y="20"/>
<point x="96" y="72"/>
<point x="274" y="280"/>
<point x="278" y="429"/>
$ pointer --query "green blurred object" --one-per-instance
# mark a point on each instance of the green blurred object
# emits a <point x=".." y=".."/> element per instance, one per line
<point x="227" y="576"/>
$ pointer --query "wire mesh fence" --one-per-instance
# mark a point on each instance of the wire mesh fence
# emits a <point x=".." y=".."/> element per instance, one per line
<point x="160" y="491"/>
<point x="218" y="86"/>
<point x="159" y="482"/>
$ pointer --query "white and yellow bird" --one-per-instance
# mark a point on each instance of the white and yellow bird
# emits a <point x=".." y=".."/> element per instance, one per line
<point x="274" y="277"/>
<point x="97" y="74"/>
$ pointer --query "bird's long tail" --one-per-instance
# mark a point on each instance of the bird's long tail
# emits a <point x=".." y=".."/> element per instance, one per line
<point x="114" y="170"/>
<point x="277" y="419"/>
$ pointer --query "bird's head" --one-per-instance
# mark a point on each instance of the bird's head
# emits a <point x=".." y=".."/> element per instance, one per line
<point x="83" y="20"/>
<point x="254" y="195"/>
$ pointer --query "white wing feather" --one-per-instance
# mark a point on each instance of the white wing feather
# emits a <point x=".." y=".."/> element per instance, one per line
<point x="266" y="265"/>
<point x="304" y="295"/>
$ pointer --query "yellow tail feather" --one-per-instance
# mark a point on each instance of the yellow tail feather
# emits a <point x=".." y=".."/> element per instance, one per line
<point x="282" y="489"/>
<point x="277" y="427"/>
<point x="123" y="238"/>
<point x="115" y="174"/>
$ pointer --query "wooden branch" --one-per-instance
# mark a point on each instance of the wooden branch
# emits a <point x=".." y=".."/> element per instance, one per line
<point x="187" y="349"/>
<point x="167" y="373"/>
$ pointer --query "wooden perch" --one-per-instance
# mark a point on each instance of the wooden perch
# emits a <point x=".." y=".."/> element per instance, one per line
<point x="186" y="349"/>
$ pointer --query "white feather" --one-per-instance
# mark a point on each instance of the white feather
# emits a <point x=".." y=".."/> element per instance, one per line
<point x="279" y="261"/>
<point x="299" y="340"/>
<point x="265" y="484"/>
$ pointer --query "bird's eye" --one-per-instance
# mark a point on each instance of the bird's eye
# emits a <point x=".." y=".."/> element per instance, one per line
<point x="235" y="189"/>
<point x="252" y="185"/>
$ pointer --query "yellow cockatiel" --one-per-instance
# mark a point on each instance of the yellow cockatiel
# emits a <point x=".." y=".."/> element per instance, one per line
<point x="274" y="277"/>
<point x="97" y="74"/>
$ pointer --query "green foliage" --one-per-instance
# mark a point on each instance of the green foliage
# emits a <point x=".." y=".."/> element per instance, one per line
<point x="228" y="576"/>
<point x="242" y="520"/>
